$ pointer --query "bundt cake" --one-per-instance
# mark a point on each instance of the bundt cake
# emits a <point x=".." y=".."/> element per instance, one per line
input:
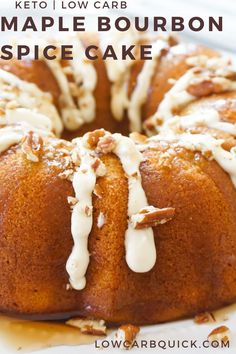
<point x="93" y="223"/>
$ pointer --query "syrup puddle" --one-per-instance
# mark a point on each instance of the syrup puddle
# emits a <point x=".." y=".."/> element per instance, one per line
<point x="20" y="335"/>
<point x="26" y="336"/>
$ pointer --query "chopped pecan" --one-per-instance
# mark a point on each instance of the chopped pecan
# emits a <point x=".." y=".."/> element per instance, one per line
<point x="149" y="124"/>
<point x="67" y="174"/>
<point x="152" y="122"/>
<point x="88" y="210"/>
<point x="87" y="326"/>
<point x="75" y="157"/>
<point x="138" y="138"/>
<point x="164" y="51"/>
<point x="32" y="145"/>
<point x="204" y="317"/>
<point x="219" y="334"/>
<point x="150" y="217"/>
<point x="99" y="167"/>
<point x="106" y="144"/>
<point x="127" y="334"/>
<point x="204" y="88"/>
<point x="72" y="201"/>
<point x="93" y="138"/>
<point x="173" y="40"/>
<point x="96" y="163"/>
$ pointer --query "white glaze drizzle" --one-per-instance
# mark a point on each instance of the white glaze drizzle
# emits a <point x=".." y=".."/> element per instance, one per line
<point x="139" y="244"/>
<point x="172" y="130"/>
<point x="118" y="70"/>
<point x="205" y="143"/>
<point x="13" y="134"/>
<point x="8" y="138"/>
<point x="140" y="92"/>
<point x="178" y="97"/>
<point x="84" y="181"/>
<point x="23" y="101"/>
<point x="207" y="117"/>
<point x="77" y="100"/>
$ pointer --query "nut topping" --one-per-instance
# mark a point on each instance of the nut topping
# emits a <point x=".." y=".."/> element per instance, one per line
<point x="219" y="334"/>
<point x="99" y="167"/>
<point x="127" y="334"/>
<point x="106" y="144"/>
<point x="88" y="210"/>
<point x="204" y="88"/>
<point x="138" y="138"/>
<point x="93" y="137"/>
<point x="86" y="326"/>
<point x="32" y="145"/>
<point x="72" y="201"/>
<point x="151" y="216"/>
<point x="204" y="317"/>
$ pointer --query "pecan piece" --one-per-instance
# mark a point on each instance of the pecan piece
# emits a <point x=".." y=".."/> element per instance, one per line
<point x="204" y="317"/>
<point x="88" y="210"/>
<point x="204" y="88"/>
<point x="151" y="123"/>
<point x="87" y="326"/>
<point x="106" y="144"/>
<point x="98" y="167"/>
<point x="32" y="145"/>
<point x="173" y="40"/>
<point x="93" y="137"/>
<point x="138" y="138"/>
<point x="127" y="335"/>
<point x="150" y="217"/>
<point x="72" y="201"/>
<point x="219" y="334"/>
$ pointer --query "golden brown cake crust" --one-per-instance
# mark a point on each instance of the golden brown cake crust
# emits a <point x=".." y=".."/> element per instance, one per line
<point x="196" y="252"/>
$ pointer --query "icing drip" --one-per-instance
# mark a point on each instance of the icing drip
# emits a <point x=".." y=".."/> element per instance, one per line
<point x="12" y="135"/>
<point x="172" y="130"/>
<point x="119" y="73"/>
<point x="8" y="138"/>
<point x="139" y="244"/>
<point x="77" y="101"/>
<point x="205" y="143"/>
<point x="23" y="101"/>
<point x="118" y="70"/>
<point x="140" y="92"/>
<point x="83" y="181"/>
<point x="208" y="70"/>
<point x="208" y="117"/>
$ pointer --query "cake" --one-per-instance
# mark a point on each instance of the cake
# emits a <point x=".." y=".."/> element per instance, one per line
<point x="138" y="229"/>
